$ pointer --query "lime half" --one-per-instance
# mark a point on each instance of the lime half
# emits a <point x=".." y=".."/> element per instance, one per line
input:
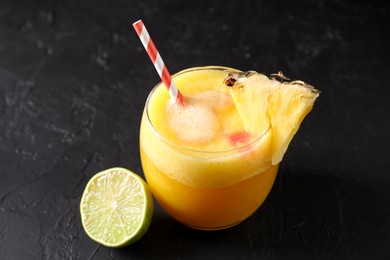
<point x="116" y="207"/>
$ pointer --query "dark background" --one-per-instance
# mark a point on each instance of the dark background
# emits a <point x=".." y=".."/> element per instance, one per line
<point x="73" y="81"/>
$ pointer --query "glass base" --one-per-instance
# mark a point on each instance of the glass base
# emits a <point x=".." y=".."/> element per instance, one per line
<point x="212" y="228"/>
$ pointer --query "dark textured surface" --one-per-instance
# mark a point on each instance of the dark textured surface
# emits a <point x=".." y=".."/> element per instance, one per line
<point x="73" y="81"/>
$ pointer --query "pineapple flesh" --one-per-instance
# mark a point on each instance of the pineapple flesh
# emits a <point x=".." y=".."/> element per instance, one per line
<point x="274" y="102"/>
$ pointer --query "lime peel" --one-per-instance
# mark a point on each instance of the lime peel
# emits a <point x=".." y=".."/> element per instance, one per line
<point x="116" y="207"/>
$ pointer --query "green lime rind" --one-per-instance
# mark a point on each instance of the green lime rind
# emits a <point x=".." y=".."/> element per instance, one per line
<point x="116" y="207"/>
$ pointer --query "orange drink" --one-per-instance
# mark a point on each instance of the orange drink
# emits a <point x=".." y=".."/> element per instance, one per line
<point x="201" y="164"/>
<point x="210" y="146"/>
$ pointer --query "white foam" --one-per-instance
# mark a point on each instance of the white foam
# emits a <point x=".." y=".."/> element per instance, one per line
<point x="194" y="122"/>
<point x="214" y="99"/>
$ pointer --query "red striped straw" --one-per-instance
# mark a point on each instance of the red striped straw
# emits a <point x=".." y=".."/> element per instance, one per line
<point x="155" y="57"/>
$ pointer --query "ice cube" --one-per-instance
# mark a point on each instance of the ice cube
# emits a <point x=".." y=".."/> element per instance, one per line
<point x="194" y="122"/>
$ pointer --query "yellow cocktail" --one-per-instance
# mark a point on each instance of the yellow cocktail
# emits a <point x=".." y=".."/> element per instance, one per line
<point x="201" y="164"/>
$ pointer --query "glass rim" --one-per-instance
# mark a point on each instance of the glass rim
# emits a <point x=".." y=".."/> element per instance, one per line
<point x="257" y="138"/>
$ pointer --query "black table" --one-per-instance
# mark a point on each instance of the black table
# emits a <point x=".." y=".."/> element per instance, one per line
<point x="73" y="81"/>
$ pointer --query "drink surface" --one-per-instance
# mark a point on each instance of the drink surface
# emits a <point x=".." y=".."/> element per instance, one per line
<point x="208" y="121"/>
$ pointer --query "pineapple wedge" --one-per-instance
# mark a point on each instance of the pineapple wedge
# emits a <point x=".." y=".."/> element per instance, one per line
<point x="274" y="102"/>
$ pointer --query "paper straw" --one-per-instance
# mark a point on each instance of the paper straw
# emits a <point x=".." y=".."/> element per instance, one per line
<point x="158" y="63"/>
